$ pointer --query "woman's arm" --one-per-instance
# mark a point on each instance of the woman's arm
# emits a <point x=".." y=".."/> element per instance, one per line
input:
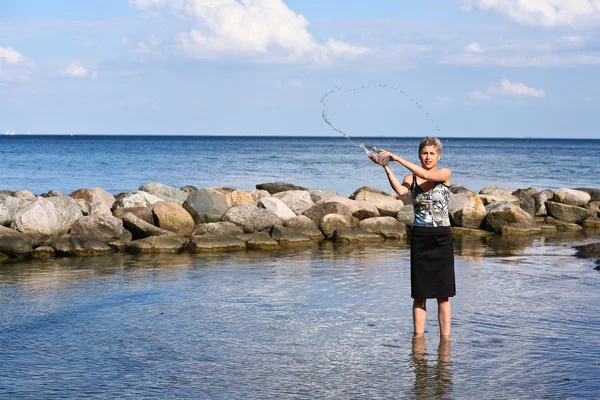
<point x="438" y="175"/>
<point x="399" y="188"/>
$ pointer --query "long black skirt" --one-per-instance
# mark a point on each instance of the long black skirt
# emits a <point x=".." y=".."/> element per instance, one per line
<point x="432" y="263"/>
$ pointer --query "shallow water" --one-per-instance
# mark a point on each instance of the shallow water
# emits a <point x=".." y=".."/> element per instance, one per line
<point x="327" y="322"/>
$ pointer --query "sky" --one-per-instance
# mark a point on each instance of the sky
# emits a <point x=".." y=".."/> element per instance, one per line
<point x="446" y="68"/>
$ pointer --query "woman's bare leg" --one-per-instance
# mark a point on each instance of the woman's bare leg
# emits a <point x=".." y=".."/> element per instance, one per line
<point x="444" y="316"/>
<point x="419" y="316"/>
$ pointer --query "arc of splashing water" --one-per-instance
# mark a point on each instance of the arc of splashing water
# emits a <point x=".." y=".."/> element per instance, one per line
<point x="337" y="89"/>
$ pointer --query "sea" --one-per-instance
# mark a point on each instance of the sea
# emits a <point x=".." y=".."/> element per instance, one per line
<point x="326" y="322"/>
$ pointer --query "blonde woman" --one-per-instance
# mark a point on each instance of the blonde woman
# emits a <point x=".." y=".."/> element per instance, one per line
<point x="431" y="249"/>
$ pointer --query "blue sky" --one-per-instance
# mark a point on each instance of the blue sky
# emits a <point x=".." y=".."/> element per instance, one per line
<point x="478" y="68"/>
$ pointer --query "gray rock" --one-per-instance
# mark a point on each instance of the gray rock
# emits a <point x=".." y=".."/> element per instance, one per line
<point x="495" y="191"/>
<point x="173" y="217"/>
<point x="189" y="188"/>
<point x="594" y="193"/>
<point x="261" y="241"/>
<point x="526" y="202"/>
<point x="75" y="245"/>
<point x="594" y="208"/>
<point x="206" y="202"/>
<point x="466" y="210"/>
<point x="318" y="211"/>
<point x="251" y="218"/>
<point x="591" y="223"/>
<point x="360" y="209"/>
<point x="216" y="243"/>
<point x="14" y="244"/>
<point x="306" y="226"/>
<point x="540" y="200"/>
<point x="491" y="199"/>
<point x="51" y="193"/>
<point x="158" y="244"/>
<point x="103" y="227"/>
<point x="469" y="232"/>
<point x="514" y="230"/>
<point x="39" y="221"/>
<point x="571" y="197"/>
<point x="277" y="207"/>
<point x="503" y="214"/>
<point x="141" y="229"/>
<point x="369" y="189"/>
<point x="258" y="194"/>
<point x="144" y="213"/>
<point x="287" y="237"/>
<point x="591" y="250"/>
<point x="319" y="196"/>
<point x="121" y="243"/>
<point x="68" y="212"/>
<point x="349" y="235"/>
<point x="567" y="213"/>
<point x="406" y="215"/>
<point x="139" y="198"/>
<point x="165" y="192"/>
<point x="387" y="227"/>
<point x="457" y="189"/>
<point x="96" y="195"/>
<point x="24" y="194"/>
<point x="331" y="222"/>
<point x="218" y="229"/>
<point x="297" y="200"/>
<point x="387" y="205"/>
<point x="277" y="187"/>
<point x="9" y="206"/>
<point x="43" y="252"/>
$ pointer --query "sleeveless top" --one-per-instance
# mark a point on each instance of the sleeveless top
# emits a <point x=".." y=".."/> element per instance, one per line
<point x="431" y="208"/>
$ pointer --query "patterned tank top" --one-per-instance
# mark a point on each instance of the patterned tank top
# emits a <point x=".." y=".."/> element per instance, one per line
<point x="431" y="208"/>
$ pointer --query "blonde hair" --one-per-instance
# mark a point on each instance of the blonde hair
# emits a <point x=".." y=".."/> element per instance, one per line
<point x="429" y="141"/>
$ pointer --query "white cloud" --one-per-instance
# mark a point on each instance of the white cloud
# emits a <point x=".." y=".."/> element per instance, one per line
<point x="264" y="29"/>
<point x="507" y="88"/>
<point x="149" y="46"/>
<point x="76" y="70"/>
<point x="10" y="56"/>
<point x="546" y="13"/>
<point x="473" y="48"/>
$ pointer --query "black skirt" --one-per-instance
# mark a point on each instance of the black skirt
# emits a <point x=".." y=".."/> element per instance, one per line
<point x="431" y="263"/>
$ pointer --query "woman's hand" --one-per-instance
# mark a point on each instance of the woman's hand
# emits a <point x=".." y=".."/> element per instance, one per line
<point x="392" y="157"/>
<point x="376" y="159"/>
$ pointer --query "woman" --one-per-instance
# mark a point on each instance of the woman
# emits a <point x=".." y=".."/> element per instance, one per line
<point x="431" y="249"/>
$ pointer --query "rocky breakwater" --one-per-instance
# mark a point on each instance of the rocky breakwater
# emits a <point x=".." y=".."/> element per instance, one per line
<point x="158" y="218"/>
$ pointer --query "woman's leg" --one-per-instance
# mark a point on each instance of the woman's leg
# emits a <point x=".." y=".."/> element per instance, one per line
<point x="444" y="316"/>
<point x="419" y="316"/>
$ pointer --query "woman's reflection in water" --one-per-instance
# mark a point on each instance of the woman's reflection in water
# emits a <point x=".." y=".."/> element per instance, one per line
<point x="436" y="383"/>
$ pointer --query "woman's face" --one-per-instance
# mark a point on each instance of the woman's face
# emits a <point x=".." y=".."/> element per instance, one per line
<point x="429" y="157"/>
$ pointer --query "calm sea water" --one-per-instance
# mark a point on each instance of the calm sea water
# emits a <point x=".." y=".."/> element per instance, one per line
<point x="124" y="163"/>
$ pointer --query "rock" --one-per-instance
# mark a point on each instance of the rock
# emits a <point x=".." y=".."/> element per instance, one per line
<point x="24" y="194"/>
<point x="515" y="230"/>
<point x="594" y="208"/>
<point x="206" y="205"/>
<point x="76" y="245"/>
<point x="466" y="210"/>
<point x="218" y="229"/>
<point x="139" y="198"/>
<point x="157" y="244"/>
<point x="9" y="206"/>
<point x="277" y="187"/>
<point x="68" y="212"/>
<point x="103" y="227"/>
<point x="287" y="237"/>
<point x="189" y="189"/>
<point x="43" y="252"/>
<point x="588" y="251"/>
<point x="540" y="199"/>
<point x="548" y="229"/>
<point x="258" y="194"/>
<point x="331" y="222"/>
<point x="562" y="226"/>
<point x="369" y="189"/>
<point x="95" y="195"/>
<point x="526" y="202"/>
<point x="121" y="244"/>
<point x="144" y="213"/>
<point x="165" y="192"/>
<point x="141" y="229"/>
<point x="84" y="206"/>
<point x="594" y="193"/>
<point x="457" y="189"/>
<point x="216" y="243"/>
<point x="251" y="218"/>
<point x="388" y="227"/>
<point x="261" y="241"/>
<point x="173" y="217"/>
<point x="51" y="193"/>
<point x="306" y="226"/>
<point x="14" y="244"/>
<point x="406" y="215"/>
<point x="239" y="197"/>
<point x="318" y="211"/>
<point x="502" y="214"/>
<point x="225" y="190"/>
<point x="491" y="199"/>
<point x="387" y="205"/>
<point x="567" y="213"/>
<point x="349" y="235"/>
<point x="571" y="197"/>
<point x="359" y="209"/>
<point x="470" y="232"/>
<point x="495" y="191"/>
<point x="277" y="207"/>
<point x="319" y="196"/>
<point x="297" y="200"/>
<point x="591" y="223"/>
<point x="39" y="221"/>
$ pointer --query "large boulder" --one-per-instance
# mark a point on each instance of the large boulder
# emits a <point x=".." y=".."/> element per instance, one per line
<point x="239" y="197"/>
<point x="261" y="241"/>
<point x="216" y="243"/>
<point x="101" y="226"/>
<point x="67" y="210"/>
<point x="206" y="205"/>
<point x="359" y="209"/>
<point x="258" y="194"/>
<point x="218" y="229"/>
<point x="305" y="226"/>
<point x="540" y="200"/>
<point x="319" y="196"/>
<point x="104" y="199"/>
<point x="370" y="189"/>
<point x="516" y="230"/>
<point x="567" y="213"/>
<point x="503" y="214"/>
<point x="488" y="199"/>
<point x="141" y="229"/>
<point x="165" y="192"/>
<point x="571" y="197"/>
<point x="77" y="245"/>
<point x="144" y="213"/>
<point x="526" y="202"/>
<point x="457" y="189"/>
<point x="387" y="227"/>
<point x="14" y="244"/>
<point x="24" y="194"/>
<point x="288" y="237"/>
<point x="278" y="207"/>
<point x="331" y="222"/>
<point x="38" y="220"/>
<point x="157" y="244"/>
<point x="594" y="193"/>
<point x="139" y="198"/>
<point x="466" y="210"/>
<point x="594" y="208"/>
<point x="495" y="191"/>
<point x="9" y="206"/>
<point x="406" y="215"/>
<point x="251" y="218"/>
<point x="591" y="250"/>
<point x="173" y="217"/>
<point x="318" y="211"/>
<point x="387" y="205"/>
<point x="277" y="187"/>
<point x="349" y="235"/>
<point x="297" y="200"/>
<point x="591" y="223"/>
